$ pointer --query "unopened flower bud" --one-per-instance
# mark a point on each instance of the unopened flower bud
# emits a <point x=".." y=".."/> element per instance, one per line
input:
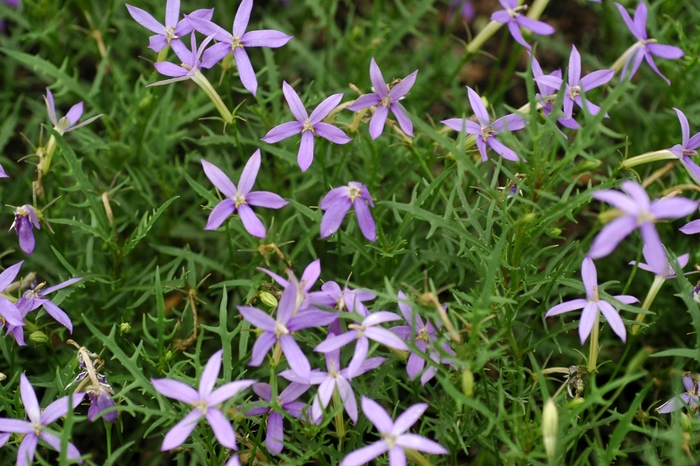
<point x="686" y="423"/>
<point x="124" y="327"/>
<point x="468" y="382"/>
<point x="39" y="337"/>
<point x="575" y="402"/>
<point x="550" y="428"/>
<point x="2" y="376"/>
<point x="268" y="299"/>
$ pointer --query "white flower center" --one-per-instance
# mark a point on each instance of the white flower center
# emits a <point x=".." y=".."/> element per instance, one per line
<point x="358" y="327"/>
<point x="487" y="132"/>
<point x="240" y="199"/>
<point x="201" y="405"/>
<point x="353" y="193"/>
<point x="574" y="91"/>
<point x="386" y="101"/>
<point x="236" y="43"/>
<point x="170" y="34"/>
<point x="280" y="329"/>
<point x="308" y="126"/>
<point x="38" y="427"/>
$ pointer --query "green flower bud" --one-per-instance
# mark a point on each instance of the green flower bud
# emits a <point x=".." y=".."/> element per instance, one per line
<point x="575" y="402"/>
<point x="124" y="327"/>
<point x="39" y="337"/>
<point x="686" y="423"/>
<point x="268" y="299"/>
<point x="468" y="382"/>
<point x="550" y="428"/>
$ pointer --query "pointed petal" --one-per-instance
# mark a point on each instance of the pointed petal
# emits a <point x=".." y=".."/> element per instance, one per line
<point x="478" y="107"/>
<point x="214" y="54"/>
<point x="365" y="101"/>
<point x="227" y="391"/>
<point x="295" y="357"/>
<point x="630" y="24"/>
<point x="16" y="425"/>
<point x="588" y="316"/>
<point x="74" y="114"/>
<point x="179" y="433"/>
<point x="414" y="366"/>
<point x="613" y="318"/>
<point x="514" y="29"/>
<point x="261" y="347"/>
<point x="363" y="456"/>
<point x="330" y="132"/>
<point x="334" y="216"/>
<point x="377" y="415"/>
<point x="358" y="356"/>
<point x="295" y="104"/>
<point x="325" y="107"/>
<point x="510" y="122"/>
<point x="669" y="52"/>
<point x="275" y="434"/>
<point x="25" y="453"/>
<point x="9" y="274"/>
<point x="380" y="317"/>
<point x="691" y="228"/>
<point x="408" y="418"/>
<point x="265" y="199"/>
<point x="258" y="318"/>
<point x="386" y="338"/>
<point x="145" y="19"/>
<point x="240" y="22"/>
<point x="685" y="127"/>
<point x="538" y="27"/>
<point x="596" y="78"/>
<point x="306" y="151"/>
<point x="250" y="173"/>
<point x="589" y="276"/>
<point x="60" y="407"/>
<point x="364" y="218"/>
<point x="209" y="374"/>
<point x="573" y="305"/>
<point x="611" y="235"/>
<point x="176" y="390"/>
<point x="333" y="343"/>
<point x="402" y="88"/>
<point x="378" y="81"/>
<point x="325" y="390"/>
<point x="505" y="152"/>
<point x="263" y="390"/>
<point x="220" y="213"/>
<point x="673" y="207"/>
<point x="251" y="222"/>
<point x="403" y="118"/>
<point x="574" y="67"/>
<point x="223" y="431"/>
<point x="245" y="70"/>
<point x="416" y="442"/>
<point x="376" y="124"/>
<point x="688" y="383"/>
<point x="347" y="396"/>
<point x="172" y="13"/>
<point x="219" y="179"/>
<point x="265" y="38"/>
<point x="283" y="131"/>
<point x="58" y="314"/>
<point x="618" y="200"/>
<point x="31" y="405"/>
<point x="463" y="125"/>
<point x="292" y="392"/>
<point x="640" y="19"/>
<point x="50" y="107"/>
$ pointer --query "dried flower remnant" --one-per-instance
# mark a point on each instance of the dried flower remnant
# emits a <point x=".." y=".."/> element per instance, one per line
<point x="174" y="28"/>
<point x="205" y="403"/>
<point x="25" y="221"/>
<point x="308" y="126"/>
<point x="35" y="428"/>
<point x="237" y="41"/>
<point x="638" y="212"/>
<point x="484" y="130"/>
<point x="690" y="397"/>
<point x="593" y="305"/>
<point x="241" y="199"/>
<point x="515" y="20"/>
<point x="337" y="203"/>
<point x="386" y="98"/>
<point x="645" y="48"/>
<point x="394" y="437"/>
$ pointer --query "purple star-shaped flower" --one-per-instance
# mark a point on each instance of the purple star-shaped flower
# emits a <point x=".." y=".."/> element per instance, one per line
<point x="690" y="397"/>
<point x="287" y="401"/>
<point x="173" y="29"/>
<point x="592" y="305"/>
<point x="394" y="436"/>
<point x="548" y="94"/>
<point x="425" y="337"/>
<point x="25" y="221"/>
<point x="68" y="122"/>
<point x="576" y="85"/>
<point x="204" y="402"/>
<point x="646" y="48"/>
<point x="660" y="267"/>
<point x="345" y="299"/>
<point x="305" y="299"/>
<point x="687" y="147"/>
<point x="337" y="203"/>
<point x="335" y="379"/>
<point x="385" y="99"/>
<point x="35" y="428"/>
<point x="308" y="126"/>
<point x="191" y="63"/>
<point x="238" y="41"/>
<point x="8" y="310"/>
<point x="363" y="332"/>
<point x="241" y="199"/>
<point x="638" y="212"/>
<point x="512" y="17"/>
<point x="484" y="130"/>
<point x="279" y="330"/>
<point x="34" y="299"/>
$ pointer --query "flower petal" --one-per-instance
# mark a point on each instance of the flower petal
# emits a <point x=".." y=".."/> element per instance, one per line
<point x="265" y="199"/>
<point x="283" y="131"/>
<point x="240" y="22"/>
<point x="58" y="314"/>
<point x="378" y="81"/>
<point x="364" y="218"/>
<point x="613" y="318"/>
<point x="567" y="306"/>
<point x="219" y="179"/>
<point x="334" y="215"/>
<point x="588" y="317"/>
<point x="275" y="434"/>
<point x="376" y="124"/>
<point x="402" y="117"/>
<point x="386" y="338"/>
<point x="294" y="102"/>
<point x="347" y="396"/>
<point x="306" y="151"/>
<point x="408" y="418"/>
<point x="359" y="356"/>
<point x="210" y="374"/>
<point x="179" y="433"/>
<point x="228" y="390"/>
<point x="295" y="357"/>
<point x="25" y="453"/>
<point x="145" y="19"/>
<point x="611" y="235"/>
<point x="478" y="107"/>
<point x="251" y="222"/>
<point x="377" y="415"/>
<point x="402" y="88"/>
<point x="245" y="70"/>
<point x="416" y="442"/>
<point x="368" y="100"/>
<point x="175" y="389"/>
<point x="60" y="407"/>
<point x="258" y="318"/>
<point x="31" y="404"/>
<point x="325" y="107"/>
<point x="223" y="431"/>
<point x="364" y="455"/>
<point x="261" y="347"/>
<point x="335" y="342"/>
<point x="220" y="213"/>
<point x="330" y="132"/>
<point x="265" y="38"/>
<point x="589" y="276"/>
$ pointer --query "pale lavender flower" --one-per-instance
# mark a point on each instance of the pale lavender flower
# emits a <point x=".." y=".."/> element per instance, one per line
<point x="337" y="203"/>
<point x="35" y="428"/>
<point x="345" y="299"/>
<point x="191" y="63"/>
<point x="637" y="212"/>
<point x="173" y="30"/>
<point x="274" y="440"/>
<point x="548" y="94"/>
<point x="34" y="299"/>
<point x="484" y="130"/>
<point x="25" y="221"/>
<point x="305" y="300"/>
<point x="394" y="436"/>
<point x="687" y="147"/>
<point x="515" y="20"/>
<point x="308" y="126"/>
<point x="425" y="338"/>
<point x="241" y="199"/>
<point x="279" y="330"/>
<point x="593" y="305"/>
<point x="367" y="330"/>
<point x="238" y="41"/>
<point x="646" y="48"/>
<point x="689" y="398"/>
<point x="660" y="267"/>
<point x="68" y="122"/>
<point x="8" y="310"/>
<point x="204" y="402"/>
<point x="385" y="99"/>
<point x="576" y="85"/>
<point x="335" y="379"/>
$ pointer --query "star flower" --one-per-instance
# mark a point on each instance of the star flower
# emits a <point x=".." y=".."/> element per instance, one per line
<point x="425" y="337"/>
<point x="335" y="379"/>
<point x="308" y="126"/>
<point x="70" y="121"/>
<point x="238" y="41"/>
<point x="191" y="63"/>
<point x="274" y="440"/>
<point x="305" y="299"/>
<point x="34" y="299"/>
<point x="687" y="147"/>
<point x="204" y="402"/>
<point x="25" y="221"/>
<point x="279" y="330"/>
<point x="343" y="300"/>
<point x="385" y="99"/>
<point x="660" y="267"/>
<point x="689" y="398"/>
<point x="512" y="17"/>
<point x="484" y="130"/>
<point x="576" y="85"/>
<point x="241" y="199"/>
<point x="548" y="94"/>
<point x="173" y="30"/>
<point x="646" y="48"/>
<point x="8" y="310"/>
<point x="35" y="428"/>
<point x="637" y="212"/>
<point x="337" y="203"/>
<point x="593" y="305"/>
<point x="394" y="437"/>
<point x="363" y="332"/>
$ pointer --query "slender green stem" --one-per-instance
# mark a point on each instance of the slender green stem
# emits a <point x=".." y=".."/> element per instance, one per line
<point x="651" y="294"/>
<point x="163" y="54"/>
<point x="48" y="155"/>
<point x="593" y="354"/>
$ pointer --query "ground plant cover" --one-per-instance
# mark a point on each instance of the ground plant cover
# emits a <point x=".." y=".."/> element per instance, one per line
<point x="335" y="232"/>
